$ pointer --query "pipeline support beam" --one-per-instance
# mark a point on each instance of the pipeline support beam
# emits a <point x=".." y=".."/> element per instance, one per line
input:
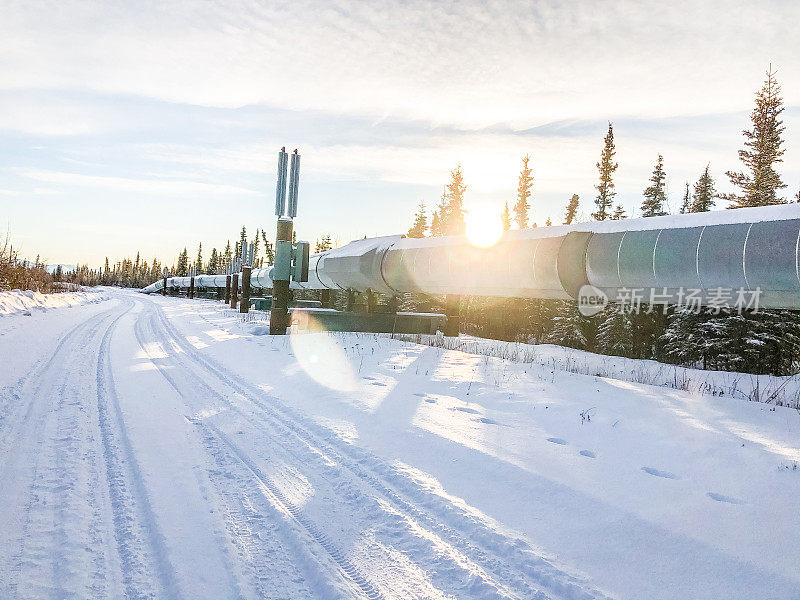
<point x="281" y="274"/>
<point x="244" y="304"/>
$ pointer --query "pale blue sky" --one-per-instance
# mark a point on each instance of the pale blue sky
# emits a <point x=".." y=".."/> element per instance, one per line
<point x="138" y="126"/>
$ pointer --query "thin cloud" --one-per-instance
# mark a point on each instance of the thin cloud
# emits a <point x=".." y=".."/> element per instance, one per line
<point x="147" y="186"/>
<point x="469" y="63"/>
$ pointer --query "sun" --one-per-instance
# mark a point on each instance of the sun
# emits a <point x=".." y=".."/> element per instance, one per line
<point x="483" y="226"/>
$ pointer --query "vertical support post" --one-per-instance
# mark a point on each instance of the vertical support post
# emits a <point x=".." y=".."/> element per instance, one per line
<point x="234" y="290"/>
<point x="452" y="308"/>
<point x="227" y="289"/>
<point x="191" y="288"/>
<point x="244" y="305"/>
<point x="281" y="272"/>
<point x="351" y="300"/>
<point x="371" y="301"/>
<point x="164" y="287"/>
<point x="325" y="298"/>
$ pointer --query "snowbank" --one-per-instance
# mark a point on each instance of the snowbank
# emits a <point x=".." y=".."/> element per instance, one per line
<point x="24" y="301"/>
<point x="780" y="391"/>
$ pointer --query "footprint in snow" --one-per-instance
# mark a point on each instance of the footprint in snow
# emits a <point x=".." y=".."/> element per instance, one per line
<point x="558" y="441"/>
<point x="588" y="453"/>
<point x="487" y="421"/>
<point x="723" y="498"/>
<point x="430" y="400"/>
<point x="419" y="394"/>
<point x="658" y="473"/>
<point x="466" y="410"/>
<point x="368" y="378"/>
<point x="378" y="383"/>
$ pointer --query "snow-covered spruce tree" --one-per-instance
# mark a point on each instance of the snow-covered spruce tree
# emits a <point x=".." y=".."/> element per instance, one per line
<point x="614" y="334"/>
<point x="759" y="183"/>
<point x="505" y="218"/>
<point x="420" y="225"/>
<point x="571" y="212"/>
<point x="567" y="330"/>
<point x="524" y="186"/>
<point x="704" y="193"/>
<point x="606" y="168"/>
<point x="227" y="256"/>
<point x="654" y="196"/>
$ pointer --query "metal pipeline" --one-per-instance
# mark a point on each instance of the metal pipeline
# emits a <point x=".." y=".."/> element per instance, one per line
<point x="749" y="249"/>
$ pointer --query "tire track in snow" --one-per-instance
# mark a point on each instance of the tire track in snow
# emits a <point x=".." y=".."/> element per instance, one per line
<point x="348" y="570"/>
<point x="25" y="487"/>
<point x="132" y="515"/>
<point x="437" y="555"/>
<point x="510" y="560"/>
<point x="40" y="368"/>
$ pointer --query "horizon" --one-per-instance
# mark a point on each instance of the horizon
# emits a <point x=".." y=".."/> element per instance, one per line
<point x="167" y="122"/>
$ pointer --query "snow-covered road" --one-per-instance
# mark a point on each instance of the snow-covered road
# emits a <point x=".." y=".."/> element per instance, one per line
<point x="160" y="448"/>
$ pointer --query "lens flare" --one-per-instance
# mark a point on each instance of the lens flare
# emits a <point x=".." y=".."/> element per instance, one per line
<point x="323" y="359"/>
<point x="483" y="226"/>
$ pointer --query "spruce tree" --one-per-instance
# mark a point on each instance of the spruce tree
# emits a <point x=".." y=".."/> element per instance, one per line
<point x="654" y="196"/>
<point x="420" y="225"/>
<point x="269" y="252"/>
<point x="619" y="213"/>
<point x="567" y="330"/>
<point x="606" y="168"/>
<point x="686" y="205"/>
<point x="213" y="262"/>
<point x="704" y="193"/>
<point x="572" y="210"/>
<point x="759" y="183"/>
<point x="765" y="341"/>
<point x="323" y="244"/>
<point x="452" y="218"/>
<point x="524" y="186"/>
<point x="199" y="260"/>
<point x="182" y="270"/>
<point x="436" y="225"/>
<point x="615" y="327"/>
<point x="615" y="332"/>
<point x="548" y="223"/>
<point x="227" y="256"/>
<point x="505" y="218"/>
<point x="682" y="341"/>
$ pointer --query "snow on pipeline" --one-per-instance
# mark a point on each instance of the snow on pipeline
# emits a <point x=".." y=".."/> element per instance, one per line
<point x="157" y="447"/>
<point x="26" y="301"/>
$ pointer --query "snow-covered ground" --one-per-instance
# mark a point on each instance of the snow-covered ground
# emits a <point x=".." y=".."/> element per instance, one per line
<point x="163" y="448"/>
<point x="783" y="391"/>
<point x="19" y="301"/>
